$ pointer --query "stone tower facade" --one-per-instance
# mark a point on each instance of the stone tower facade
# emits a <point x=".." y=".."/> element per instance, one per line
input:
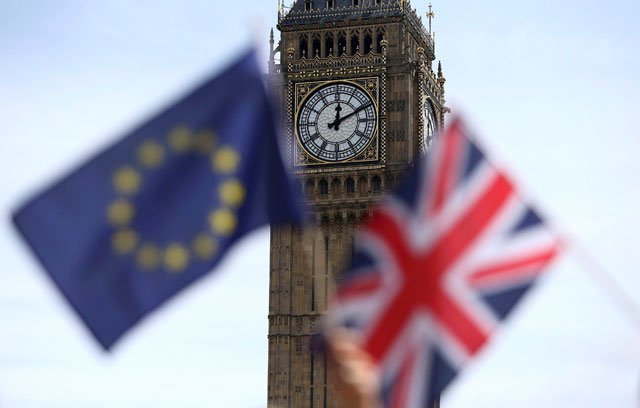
<point x="360" y="102"/>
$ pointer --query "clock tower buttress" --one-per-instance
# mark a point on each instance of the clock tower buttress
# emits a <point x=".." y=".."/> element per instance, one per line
<point x="360" y="102"/>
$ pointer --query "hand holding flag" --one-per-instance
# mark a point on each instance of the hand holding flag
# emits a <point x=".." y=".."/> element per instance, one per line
<point x="353" y="370"/>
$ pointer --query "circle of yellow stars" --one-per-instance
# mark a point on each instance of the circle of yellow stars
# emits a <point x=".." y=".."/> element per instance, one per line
<point x="221" y="222"/>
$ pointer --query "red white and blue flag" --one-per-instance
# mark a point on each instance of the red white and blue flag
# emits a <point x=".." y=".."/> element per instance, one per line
<point x="438" y="266"/>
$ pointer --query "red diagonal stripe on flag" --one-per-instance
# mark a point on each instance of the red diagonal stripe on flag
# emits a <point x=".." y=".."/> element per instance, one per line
<point x="422" y="283"/>
<point x="448" y="166"/>
<point x="520" y="268"/>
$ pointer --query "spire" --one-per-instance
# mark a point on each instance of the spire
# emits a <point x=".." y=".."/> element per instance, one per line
<point x="430" y="15"/>
<point x="271" y="42"/>
<point x="281" y="9"/>
<point x="443" y="101"/>
<point x="441" y="78"/>
<point x="271" y="54"/>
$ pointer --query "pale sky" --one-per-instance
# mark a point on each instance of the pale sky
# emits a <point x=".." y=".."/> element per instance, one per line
<point x="551" y="86"/>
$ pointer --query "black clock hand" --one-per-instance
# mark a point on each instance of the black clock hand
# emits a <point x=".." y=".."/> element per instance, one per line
<point x="339" y="120"/>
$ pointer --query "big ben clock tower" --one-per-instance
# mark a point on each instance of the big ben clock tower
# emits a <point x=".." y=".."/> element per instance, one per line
<point x="360" y="102"/>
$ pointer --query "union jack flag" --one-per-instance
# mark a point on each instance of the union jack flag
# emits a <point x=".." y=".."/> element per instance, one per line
<point x="438" y="266"/>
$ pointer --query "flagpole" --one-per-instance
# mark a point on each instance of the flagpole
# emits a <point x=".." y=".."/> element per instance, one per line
<point x="603" y="279"/>
<point x="597" y="272"/>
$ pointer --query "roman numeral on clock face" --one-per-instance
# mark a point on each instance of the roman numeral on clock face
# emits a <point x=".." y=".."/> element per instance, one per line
<point x="337" y="121"/>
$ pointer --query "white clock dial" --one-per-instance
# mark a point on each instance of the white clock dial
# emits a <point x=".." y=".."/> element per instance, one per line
<point x="430" y="126"/>
<point x="337" y="122"/>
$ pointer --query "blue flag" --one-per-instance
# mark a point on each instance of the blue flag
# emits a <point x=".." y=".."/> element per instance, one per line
<point x="160" y="208"/>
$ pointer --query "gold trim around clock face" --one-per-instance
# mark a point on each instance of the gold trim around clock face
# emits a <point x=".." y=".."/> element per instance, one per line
<point x="370" y="86"/>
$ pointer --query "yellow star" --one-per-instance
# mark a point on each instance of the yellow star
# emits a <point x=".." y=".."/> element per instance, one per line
<point x="225" y="160"/>
<point x="124" y="241"/>
<point x="120" y="213"/>
<point x="180" y="139"/>
<point x="127" y="180"/>
<point x="148" y="257"/>
<point x="205" y="141"/>
<point x="205" y="246"/>
<point x="151" y="154"/>
<point x="223" y="221"/>
<point x="176" y="258"/>
<point x="232" y="193"/>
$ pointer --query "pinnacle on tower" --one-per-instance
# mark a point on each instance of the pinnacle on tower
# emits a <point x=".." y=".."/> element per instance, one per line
<point x="271" y="43"/>
<point x="430" y="15"/>
<point x="441" y="78"/>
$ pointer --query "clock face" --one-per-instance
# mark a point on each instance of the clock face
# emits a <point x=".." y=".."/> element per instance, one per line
<point x="337" y="122"/>
<point x="430" y="126"/>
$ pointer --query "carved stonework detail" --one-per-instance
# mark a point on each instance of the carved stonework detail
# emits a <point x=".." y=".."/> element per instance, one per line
<point x="384" y="50"/>
<point x="397" y="135"/>
<point x="396" y="105"/>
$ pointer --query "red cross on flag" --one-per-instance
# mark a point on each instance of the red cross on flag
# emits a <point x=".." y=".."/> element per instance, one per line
<point x="438" y="266"/>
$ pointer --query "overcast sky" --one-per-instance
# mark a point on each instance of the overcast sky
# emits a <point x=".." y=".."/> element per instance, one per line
<point x="551" y="86"/>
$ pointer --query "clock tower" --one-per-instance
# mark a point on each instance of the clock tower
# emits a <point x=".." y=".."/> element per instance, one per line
<point x="360" y="102"/>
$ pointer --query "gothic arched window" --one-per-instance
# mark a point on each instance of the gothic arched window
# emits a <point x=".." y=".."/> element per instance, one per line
<point x="328" y="44"/>
<point x="335" y="187"/>
<point x="309" y="187"/>
<point x="324" y="187"/>
<point x="368" y="43"/>
<point x="316" y="47"/>
<point x="351" y="185"/>
<point x="379" y="39"/>
<point x="304" y="45"/>
<point x="342" y="45"/>
<point x="376" y="184"/>
<point x="355" y="43"/>
<point x="362" y="185"/>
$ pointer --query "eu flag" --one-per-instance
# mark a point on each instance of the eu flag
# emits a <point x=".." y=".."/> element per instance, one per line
<point x="159" y="209"/>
